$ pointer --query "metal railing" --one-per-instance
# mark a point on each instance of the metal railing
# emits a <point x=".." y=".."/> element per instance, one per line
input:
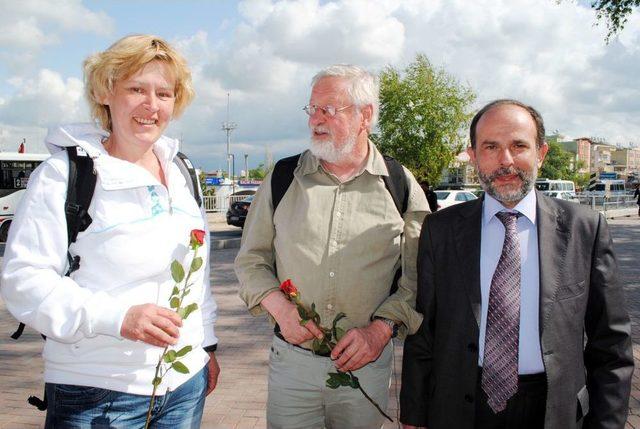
<point x="599" y="202"/>
<point x="220" y="203"/>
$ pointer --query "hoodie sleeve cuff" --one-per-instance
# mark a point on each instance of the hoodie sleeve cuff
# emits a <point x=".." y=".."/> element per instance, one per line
<point x="106" y="316"/>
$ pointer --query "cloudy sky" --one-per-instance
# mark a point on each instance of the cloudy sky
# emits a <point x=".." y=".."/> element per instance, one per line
<point x="264" y="52"/>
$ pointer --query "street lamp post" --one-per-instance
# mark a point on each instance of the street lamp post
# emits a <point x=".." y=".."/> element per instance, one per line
<point x="232" y="161"/>
<point x="228" y="126"/>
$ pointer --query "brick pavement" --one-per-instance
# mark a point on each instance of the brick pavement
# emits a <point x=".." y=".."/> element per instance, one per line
<point x="239" y="401"/>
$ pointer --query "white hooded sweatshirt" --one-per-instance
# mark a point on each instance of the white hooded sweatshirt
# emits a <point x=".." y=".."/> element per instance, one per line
<point x="139" y="227"/>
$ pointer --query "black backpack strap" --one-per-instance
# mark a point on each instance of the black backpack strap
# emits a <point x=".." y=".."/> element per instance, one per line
<point x="40" y="404"/>
<point x="281" y="178"/>
<point x="80" y="187"/>
<point x="189" y="172"/>
<point x="81" y="184"/>
<point x="396" y="183"/>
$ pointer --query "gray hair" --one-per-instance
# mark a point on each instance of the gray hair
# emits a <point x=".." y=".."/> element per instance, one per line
<point x="363" y="87"/>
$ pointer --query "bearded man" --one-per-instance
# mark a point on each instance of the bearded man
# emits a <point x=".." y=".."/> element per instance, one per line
<point x="524" y="318"/>
<point x="338" y="235"/>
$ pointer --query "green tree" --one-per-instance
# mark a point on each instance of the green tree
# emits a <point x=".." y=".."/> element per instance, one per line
<point x="258" y="172"/>
<point x="615" y="13"/>
<point x="423" y="112"/>
<point x="557" y="164"/>
<point x="206" y="190"/>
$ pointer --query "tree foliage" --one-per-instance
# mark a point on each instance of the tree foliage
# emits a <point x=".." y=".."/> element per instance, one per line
<point x="258" y="173"/>
<point x="615" y="13"/>
<point x="423" y="112"/>
<point x="557" y="165"/>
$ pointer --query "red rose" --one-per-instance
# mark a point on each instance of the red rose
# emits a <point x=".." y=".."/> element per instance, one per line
<point x="288" y="288"/>
<point x="197" y="237"/>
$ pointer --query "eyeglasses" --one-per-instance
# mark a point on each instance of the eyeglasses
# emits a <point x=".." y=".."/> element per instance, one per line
<point x="330" y="111"/>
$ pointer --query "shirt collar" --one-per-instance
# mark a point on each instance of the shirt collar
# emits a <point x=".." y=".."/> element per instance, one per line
<point x="526" y="206"/>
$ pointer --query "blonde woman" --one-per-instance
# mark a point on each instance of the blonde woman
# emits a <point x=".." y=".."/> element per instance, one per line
<point x="108" y="321"/>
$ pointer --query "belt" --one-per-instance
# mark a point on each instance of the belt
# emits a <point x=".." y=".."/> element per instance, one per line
<point x="279" y="335"/>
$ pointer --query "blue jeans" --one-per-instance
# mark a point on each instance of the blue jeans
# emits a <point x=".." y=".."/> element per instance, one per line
<point x="82" y="407"/>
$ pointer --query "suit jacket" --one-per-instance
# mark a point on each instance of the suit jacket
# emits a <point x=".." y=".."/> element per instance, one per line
<point x="584" y="326"/>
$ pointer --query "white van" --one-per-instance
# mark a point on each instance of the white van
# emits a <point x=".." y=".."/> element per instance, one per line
<point x="549" y="185"/>
<point x="607" y="188"/>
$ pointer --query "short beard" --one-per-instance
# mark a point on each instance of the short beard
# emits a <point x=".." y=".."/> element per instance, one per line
<point x="528" y="180"/>
<point x="327" y="150"/>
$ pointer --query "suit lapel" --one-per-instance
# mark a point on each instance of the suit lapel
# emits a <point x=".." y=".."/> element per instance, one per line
<point x="553" y="238"/>
<point x="467" y="233"/>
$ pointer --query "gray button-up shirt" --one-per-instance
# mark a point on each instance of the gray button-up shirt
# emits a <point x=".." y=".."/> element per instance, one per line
<point x="339" y="243"/>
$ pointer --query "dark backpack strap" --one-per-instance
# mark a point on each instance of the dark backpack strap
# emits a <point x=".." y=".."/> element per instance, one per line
<point x="396" y="183"/>
<point x="18" y="332"/>
<point x="189" y="172"/>
<point x="82" y="183"/>
<point x="281" y="178"/>
<point x="80" y="187"/>
<point x="40" y="404"/>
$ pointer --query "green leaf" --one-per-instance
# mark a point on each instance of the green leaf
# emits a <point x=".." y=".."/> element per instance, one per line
<point x="177" y="272"/>
<point x="303" y="313"/>
<point x="337" y="331"/>
<point x="170" y="356"/>
<point x="156" y="381"/>
<point x="320" y="346"/>
<point x="175" y="291"/>
<point x="338" y="317"/>
<point x="183" y="351"/>
<point x="185" y="312"/>
<point x="180" y="367"/>
<point x="337" y="379"/>
<point x="332" y="383"/>
<point x="174" y="302"/>
<point x="196" y="264"/>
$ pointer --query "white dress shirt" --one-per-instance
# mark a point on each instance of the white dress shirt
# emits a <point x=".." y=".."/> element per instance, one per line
<point x="492" y="239"/>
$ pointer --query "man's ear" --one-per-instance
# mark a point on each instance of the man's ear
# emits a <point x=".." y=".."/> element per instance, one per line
<point x="542" y="153"/>
<point x="367" y="114"/>
<point x="472" y="154"/>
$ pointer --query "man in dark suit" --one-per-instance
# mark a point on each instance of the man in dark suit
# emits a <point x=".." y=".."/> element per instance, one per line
<point x="524" y="318"/>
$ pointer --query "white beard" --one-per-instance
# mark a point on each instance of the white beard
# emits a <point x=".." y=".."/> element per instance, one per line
<point x="327" y="150"/>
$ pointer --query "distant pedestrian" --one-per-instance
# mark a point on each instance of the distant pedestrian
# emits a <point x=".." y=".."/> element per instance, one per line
<point x="432" y="198"/>
<point x="636" y="194"/>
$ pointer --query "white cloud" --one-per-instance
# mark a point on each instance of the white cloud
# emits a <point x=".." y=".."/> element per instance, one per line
<point x="30" y="25"/>
<point x="547" y="54"/>
<point x="43" y="101"/>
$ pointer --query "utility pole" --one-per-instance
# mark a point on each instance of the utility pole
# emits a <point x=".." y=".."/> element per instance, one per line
<point x="228" y="127"/>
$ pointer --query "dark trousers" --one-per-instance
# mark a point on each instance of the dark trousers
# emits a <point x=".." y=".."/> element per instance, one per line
<point x="525" y="409"/>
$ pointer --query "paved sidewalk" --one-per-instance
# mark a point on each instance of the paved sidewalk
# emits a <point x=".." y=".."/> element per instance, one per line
<point x="239" y="401"/>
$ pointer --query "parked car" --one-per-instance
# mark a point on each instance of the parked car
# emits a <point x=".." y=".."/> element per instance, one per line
<point x="448" y="198"/>
<point x="237" y="212"/>
<point x="563" y="195"/>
